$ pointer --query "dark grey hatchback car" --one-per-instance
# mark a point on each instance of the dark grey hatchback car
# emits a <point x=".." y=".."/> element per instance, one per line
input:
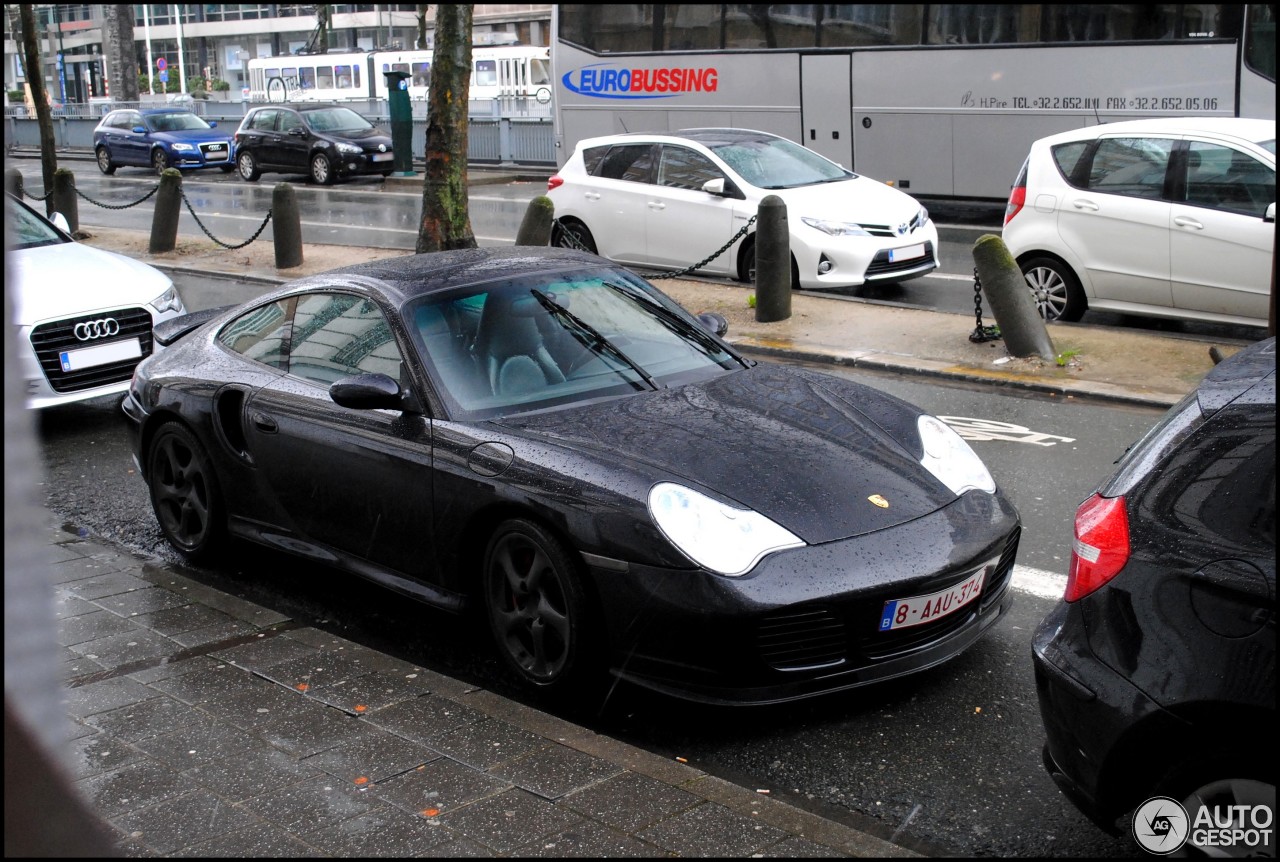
<point x="326" y="142"/>
<point x="1156" y="674"/>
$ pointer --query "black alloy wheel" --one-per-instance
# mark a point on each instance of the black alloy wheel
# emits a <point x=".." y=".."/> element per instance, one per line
<point x="184" y="493"/>
<point x="247" y="167"/>
<point x="573" y="234"/>
<point x="159" y="160"/>
<point x="538" y="611"/>
<point x="104" y="161"/>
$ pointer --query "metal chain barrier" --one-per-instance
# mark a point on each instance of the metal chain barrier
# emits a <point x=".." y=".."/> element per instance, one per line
<point x="981" y="333"/>
<point x="256" y="233"/>
<point x="571" y="239"/>
<point x="47" y="195"/>
<point x="155" y="189"/>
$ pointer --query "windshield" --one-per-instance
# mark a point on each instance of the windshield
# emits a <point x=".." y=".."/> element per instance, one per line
<point x="174" y="122"/>
<point x="776" y="163"/>
<point x="555" y="339"/>
<point x="336" y="120"/>
<point x="23" y="228"/>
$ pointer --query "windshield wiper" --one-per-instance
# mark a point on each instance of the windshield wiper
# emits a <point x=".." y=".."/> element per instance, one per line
<point x="677" y="324"/>
<point x="594" y="340"/>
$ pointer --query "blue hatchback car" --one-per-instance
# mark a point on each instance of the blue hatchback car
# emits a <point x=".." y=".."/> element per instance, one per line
<point x="160" y="138"/>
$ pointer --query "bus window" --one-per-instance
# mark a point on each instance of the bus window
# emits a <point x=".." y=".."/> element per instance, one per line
<point x="421" y="74"/>
<point x="1260" y="40"/>
<point x="324" y="77"/>
<point x="486" y="73"/>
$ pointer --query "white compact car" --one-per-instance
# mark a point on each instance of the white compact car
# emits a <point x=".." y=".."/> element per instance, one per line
<point x="1163" y="218"/>
<point x="670" y="200"/>
<point x="84" y="316"/>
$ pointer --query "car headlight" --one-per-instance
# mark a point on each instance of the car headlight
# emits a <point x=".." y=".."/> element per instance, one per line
<point x="181" y="148"/>
<point x="835" y="228"/>
<point x="718" y="537"/>
<point x="349" y="148"/>
<point x="167" y="301"/>
<point x="948" y="457"/>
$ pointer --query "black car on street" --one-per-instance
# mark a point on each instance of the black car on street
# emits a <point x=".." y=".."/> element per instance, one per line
<point x="325" y="142"/>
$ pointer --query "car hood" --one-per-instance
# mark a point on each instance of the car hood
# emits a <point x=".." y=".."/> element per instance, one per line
<point x="362" y="136"/>
<point x="72" y="279"/>
<point x="192" y="136"/>
<point x="788" y="445"/>
<point x="857" y="199"/>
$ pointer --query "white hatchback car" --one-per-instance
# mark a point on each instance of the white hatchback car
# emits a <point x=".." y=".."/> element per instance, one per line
<point x="1163" y="218"/>
<point x="670" y="200"/>
<point x="84" y="316"/>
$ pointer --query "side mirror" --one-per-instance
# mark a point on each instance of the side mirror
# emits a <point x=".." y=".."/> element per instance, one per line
<point x="59" y="221"/>
<point x="213" y="124"/>
<point x="714" y="187"/>
<point x="714" y="323"/>
<point x="142" y="130"/>
<point x="1270" y="217"/>
<point x="367" y="392"/>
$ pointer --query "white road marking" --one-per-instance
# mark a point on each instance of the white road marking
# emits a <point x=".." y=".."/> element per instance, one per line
<point x="1038" y="582"/>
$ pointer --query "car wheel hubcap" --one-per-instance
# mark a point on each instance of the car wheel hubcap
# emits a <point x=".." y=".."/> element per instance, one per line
<point x="104" y="161"/>
<point x="529" y="608"/>
<point x="1049" y="290"/>
<point x="320" y="169"/>
<point x="181" y="493"/>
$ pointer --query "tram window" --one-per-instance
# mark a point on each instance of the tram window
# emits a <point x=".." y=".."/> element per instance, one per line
<point x="324" y="77"/>
<point x="683" y="168"/>
<point x="307" y="78"/>
<point x="631" y="162"/>
<point x="486" y="73"/>
<point x="421" y="74"/>
<point x="345" y="78"/>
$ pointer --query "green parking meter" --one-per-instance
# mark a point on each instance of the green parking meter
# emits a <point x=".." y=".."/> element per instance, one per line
<point x="401" y="122"/>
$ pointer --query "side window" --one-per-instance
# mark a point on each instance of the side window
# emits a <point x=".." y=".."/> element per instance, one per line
<point x="1067" y="157"/>
<point x="261" y="334"/>
<point x="1225" y="179"/>
<point x="631" y="162"/>
<point x="264" y="121"/>
<point x="683" y="168"/>
<point x="592" y="157"/>
<point x="289" y="120"/>
<point x="1134" y="167"/>
<point x="336" y="335"/>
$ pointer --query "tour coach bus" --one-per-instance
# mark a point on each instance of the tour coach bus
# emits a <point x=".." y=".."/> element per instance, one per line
<point x="939" y="100"/>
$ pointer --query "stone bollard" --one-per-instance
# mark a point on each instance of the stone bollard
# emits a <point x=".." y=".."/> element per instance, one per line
<point x="773" y="261"/>
<point x="13" y="182"/>
<point x="1011" y="301"/>
<point x="64" y="198"/>
<point x="286" y="227"/>
<point x="536" y="227"/>
<point x="164" y="218"/>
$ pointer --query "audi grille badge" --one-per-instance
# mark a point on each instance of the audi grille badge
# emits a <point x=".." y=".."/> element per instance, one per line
<point x="90" y="330"/>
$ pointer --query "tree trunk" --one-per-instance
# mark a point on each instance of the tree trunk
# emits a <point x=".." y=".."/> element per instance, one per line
<point x="121" y="51"/>
<point x="421" y="14"/>
<point x="34" y="67"/>
<point x="446" y="222"/>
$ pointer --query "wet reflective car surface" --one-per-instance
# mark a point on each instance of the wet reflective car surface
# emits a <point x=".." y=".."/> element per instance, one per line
<point x="544" y="437"/>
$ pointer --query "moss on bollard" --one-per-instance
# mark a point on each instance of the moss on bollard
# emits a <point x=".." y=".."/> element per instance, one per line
<point x="535" y="229"/>
<point x="1010" y="299"/>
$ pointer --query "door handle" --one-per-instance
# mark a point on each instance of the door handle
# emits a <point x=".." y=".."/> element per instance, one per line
<point x="264" y="423"/>
<point x="1082" y="204"/>
<point x="657" y="205"/>
<point x="591" y="196"/>
<point x="1187" y="221"/>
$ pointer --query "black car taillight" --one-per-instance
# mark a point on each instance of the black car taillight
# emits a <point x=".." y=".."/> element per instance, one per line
<point x="1101" y="546"/>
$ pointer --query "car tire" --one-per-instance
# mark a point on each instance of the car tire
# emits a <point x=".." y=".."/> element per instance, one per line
<point x="247" y="167"/>
<point x="159" y="161"/>
<point x="747" y="264"/>
<point x="105" y="164"/>
<point x="321" y="170"/>
<point x="184" y="493"/>
<point x="571" y="233"/>
<point x="1055" y="288"/>
<point x="538" y="611"/>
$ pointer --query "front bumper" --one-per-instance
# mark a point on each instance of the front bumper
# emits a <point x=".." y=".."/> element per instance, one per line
<point x="356" y="164"/>
<point x="805" y="622"/>
<point x="853" y="261"/>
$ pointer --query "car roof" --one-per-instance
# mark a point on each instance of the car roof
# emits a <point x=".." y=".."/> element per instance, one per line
<point x="708" y="137"/>
<point x="165" y="110"/>
<point x="1236" y="127"/>
<point x="413" y="275"/>
<point x="1247" y="376"/>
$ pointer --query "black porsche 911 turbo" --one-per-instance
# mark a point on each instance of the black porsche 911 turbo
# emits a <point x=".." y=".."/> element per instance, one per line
<point x="545" y="436"/>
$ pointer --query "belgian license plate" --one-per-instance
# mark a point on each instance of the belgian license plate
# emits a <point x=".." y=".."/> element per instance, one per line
<point x="383" y="157"/>
<point x="100" y="354"/>
<point x="906" y="252"/>
<point x="917" y="610"/>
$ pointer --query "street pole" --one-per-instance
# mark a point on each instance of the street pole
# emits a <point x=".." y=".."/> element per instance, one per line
<point x="182" y="63"/>
<point x="151" y="63"/>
